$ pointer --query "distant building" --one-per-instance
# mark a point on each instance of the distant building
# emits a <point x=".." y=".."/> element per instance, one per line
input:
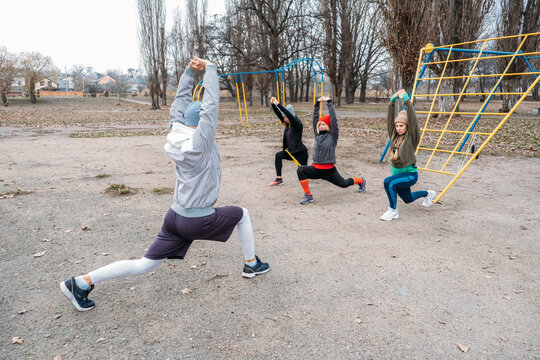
<point x="66" y="84"/>
<point x="46" y="84"/>
<point x="106" y="80"/>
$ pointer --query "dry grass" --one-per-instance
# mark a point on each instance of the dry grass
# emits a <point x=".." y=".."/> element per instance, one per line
<point x="520" y="136"/>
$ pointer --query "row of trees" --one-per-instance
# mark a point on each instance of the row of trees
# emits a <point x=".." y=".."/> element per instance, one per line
<point x="358" y="40"/>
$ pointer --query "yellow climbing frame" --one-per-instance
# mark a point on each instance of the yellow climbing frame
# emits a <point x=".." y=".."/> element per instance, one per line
<point x="447" y="146"/>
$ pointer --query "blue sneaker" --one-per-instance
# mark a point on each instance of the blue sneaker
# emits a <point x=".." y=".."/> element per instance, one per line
<point x="362" y="186"/>
<point x="252" y="271"/>
<point x="78" y="296"/>
<point x="306" y="199"/>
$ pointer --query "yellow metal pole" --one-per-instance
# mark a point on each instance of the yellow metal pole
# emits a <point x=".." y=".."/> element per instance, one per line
<point x="283" y="86"/>
<point x="292" y="157"/>
<point x="277" y="85"/>
<point x="245" y="104"/>
<point x="322" y="93"/>
<point x="315" y="92"/>
<point x="238" y="97"/>
<point x="194" y="92"/>
<point x="487" y="140"/>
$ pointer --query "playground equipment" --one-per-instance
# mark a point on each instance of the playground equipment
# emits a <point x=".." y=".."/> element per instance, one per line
<point x="444" y="151"/>
<point x="280" y="90"/>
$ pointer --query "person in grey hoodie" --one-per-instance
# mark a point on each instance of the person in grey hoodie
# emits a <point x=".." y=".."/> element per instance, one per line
<point x="192" y="216"/>
<point x="326" y="132"/>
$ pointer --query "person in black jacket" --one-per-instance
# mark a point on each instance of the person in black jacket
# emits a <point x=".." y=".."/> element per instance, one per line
<point x="292" y="139"/>
<point x="326" y="132"/>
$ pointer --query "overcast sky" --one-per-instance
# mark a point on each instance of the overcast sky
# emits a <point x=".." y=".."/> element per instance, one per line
<point x="97" y="33"/>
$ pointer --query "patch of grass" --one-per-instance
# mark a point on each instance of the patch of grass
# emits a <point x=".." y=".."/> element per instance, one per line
<point x="14" y="193"/>
<point x="119" y="189"/>
<point x="161" y="191"/>
<point x="101" y="176"/>
<point x="102" y="134"/>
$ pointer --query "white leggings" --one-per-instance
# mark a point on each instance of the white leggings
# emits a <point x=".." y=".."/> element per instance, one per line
<point x="144" y="265"/>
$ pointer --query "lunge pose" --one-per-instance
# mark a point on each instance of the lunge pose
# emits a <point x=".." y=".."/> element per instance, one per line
<point x="326" y="132"/>
<point x="293" y="148"/>
<point x="405" y="135"/>
<point x="191" y="144"/>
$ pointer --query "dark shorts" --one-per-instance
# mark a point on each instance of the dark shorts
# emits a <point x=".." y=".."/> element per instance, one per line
<point x="178" y="232"/>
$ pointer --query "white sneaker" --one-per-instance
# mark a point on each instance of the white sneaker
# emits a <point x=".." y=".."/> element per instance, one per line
<point x="428" y="200"/>
<point x="390" y="214"/>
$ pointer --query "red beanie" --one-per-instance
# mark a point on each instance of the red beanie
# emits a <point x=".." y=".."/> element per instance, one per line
<point x="325" y="119"/>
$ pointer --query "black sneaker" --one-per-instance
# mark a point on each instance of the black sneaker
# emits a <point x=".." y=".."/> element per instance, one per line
<point x="78" y="296"/>
<point x="252" y="271"/>
<point x="362" y="186"/>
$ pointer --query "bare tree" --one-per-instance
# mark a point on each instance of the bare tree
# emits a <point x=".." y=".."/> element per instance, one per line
<point x="368" y="52"/>
<point x="121" y="84"/>
<point x="404" y="31"/>
<point x="339" y="25"/>
<point x="518" y="17"/>
<point x="177" y="48"/>
<point x="151" y="43"/>
<point x="196" y="14"/>
<point x="34" y="66"/>
<point x="463" y="21"/>
<point x="8" y="72"/>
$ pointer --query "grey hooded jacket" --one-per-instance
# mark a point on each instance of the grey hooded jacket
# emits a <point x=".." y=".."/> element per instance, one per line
<point x="324" y="149"/>
<point x="194" y="151"/>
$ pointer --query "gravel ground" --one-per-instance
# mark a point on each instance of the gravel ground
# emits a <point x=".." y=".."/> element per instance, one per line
<point x="343" y="284"/>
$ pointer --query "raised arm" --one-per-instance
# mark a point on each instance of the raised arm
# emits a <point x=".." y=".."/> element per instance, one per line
<point x="205" y="133"/>
<point x="183" y="95"/>
<point x="334" y="127"/>
<point x="316" y="116"/>
<point x="412" y="122"/>
<point x="293" y="120"/>
<point x="275" y="105"/>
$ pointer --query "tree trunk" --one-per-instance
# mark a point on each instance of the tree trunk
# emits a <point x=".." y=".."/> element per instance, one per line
<point x="4" y="99"/>
<point x="32" y="93"/>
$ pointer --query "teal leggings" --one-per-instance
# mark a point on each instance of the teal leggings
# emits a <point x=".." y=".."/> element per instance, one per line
<point x="400" y="184"/>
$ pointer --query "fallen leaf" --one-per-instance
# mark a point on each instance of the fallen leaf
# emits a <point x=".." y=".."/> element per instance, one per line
<point x="132" y="288"/>
<point x="503" y="338"/>
<point x="186" y="291"/>
<point x="84" y="228"/>
<point x="45" y="240"/>
<point x="522" y="227"/>
<point x="67" y="231"/>
<point x="39" y="254"/>
<point x="58" y="357"/>
<point x="23" y="311"/>
<point x="193" y="267"/>
<point x="57" y="316"/>
<point x="369" y="303"/>
<point x="358" y="321"/>
<point x="506" y="297"/>
<point x="100" y="340"/>
<point x="512" y="257"/>
<point x="394" y="256"/>
<point x="462" y="347"/>
<point x="16" y="340"/>
<point x="78" y="261"/>
<point x="103" y="254"/>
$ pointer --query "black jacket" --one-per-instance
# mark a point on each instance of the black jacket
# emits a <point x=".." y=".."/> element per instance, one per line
<point x="292" y="136"/>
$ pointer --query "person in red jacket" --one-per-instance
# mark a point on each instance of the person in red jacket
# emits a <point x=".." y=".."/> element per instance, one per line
<point x="326" y="132"/>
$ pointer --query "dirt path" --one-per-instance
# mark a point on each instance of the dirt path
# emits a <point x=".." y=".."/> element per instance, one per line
<point x="343" y="284"/>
